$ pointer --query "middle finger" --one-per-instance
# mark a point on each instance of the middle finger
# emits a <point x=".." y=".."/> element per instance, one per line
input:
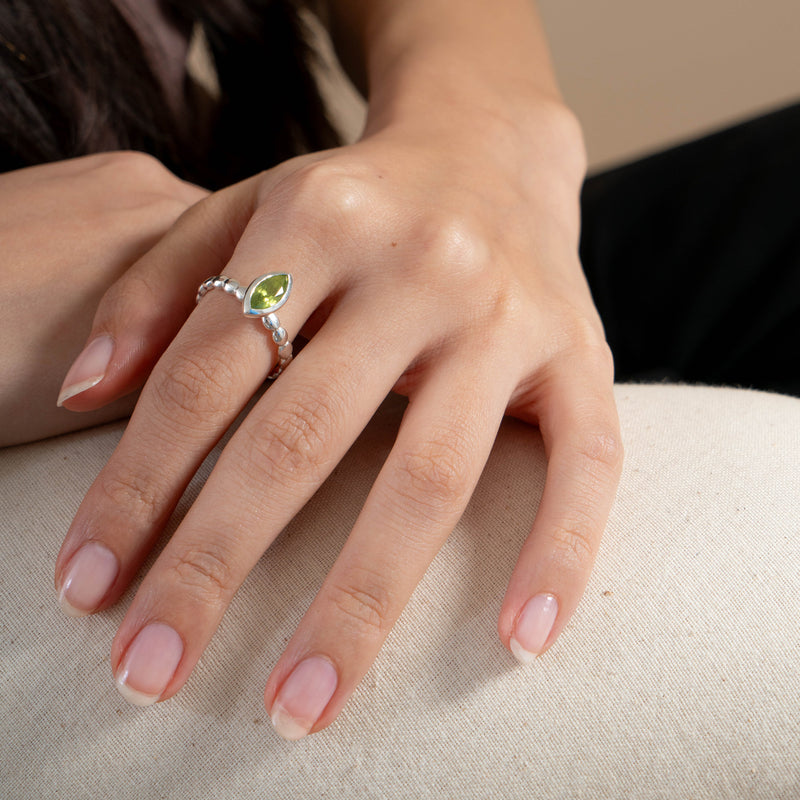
<point x="289" y="443"/>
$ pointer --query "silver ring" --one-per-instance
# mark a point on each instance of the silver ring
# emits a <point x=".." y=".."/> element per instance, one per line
<point x="262" y="298"/>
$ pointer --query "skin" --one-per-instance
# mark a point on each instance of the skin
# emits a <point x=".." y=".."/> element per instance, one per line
<point x="66" y="237"/>
<point x="436" y="256"/>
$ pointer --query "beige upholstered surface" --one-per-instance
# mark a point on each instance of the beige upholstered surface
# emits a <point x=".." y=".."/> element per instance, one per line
<point x="678" y="677"/>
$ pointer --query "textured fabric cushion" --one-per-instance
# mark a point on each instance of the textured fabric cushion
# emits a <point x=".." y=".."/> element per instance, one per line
<point x="678" y="677"/>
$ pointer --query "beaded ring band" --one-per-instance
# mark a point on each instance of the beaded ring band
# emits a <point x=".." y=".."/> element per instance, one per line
<point x="262" y="298"/>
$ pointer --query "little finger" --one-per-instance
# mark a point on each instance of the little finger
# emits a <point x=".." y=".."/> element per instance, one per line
<point x="578" y="419"/>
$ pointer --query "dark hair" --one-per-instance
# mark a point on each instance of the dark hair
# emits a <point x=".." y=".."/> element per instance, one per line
<point x="74" y="80"/>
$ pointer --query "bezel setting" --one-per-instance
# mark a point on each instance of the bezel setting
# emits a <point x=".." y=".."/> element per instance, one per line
<point x="247" y="306"/>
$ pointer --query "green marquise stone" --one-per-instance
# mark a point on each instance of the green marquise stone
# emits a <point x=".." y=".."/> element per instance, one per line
<point x="269" y="292"/>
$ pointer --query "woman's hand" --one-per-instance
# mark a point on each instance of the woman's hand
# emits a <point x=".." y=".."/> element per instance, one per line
<point x="438" y="257"/>
<point x="68" y="230"/>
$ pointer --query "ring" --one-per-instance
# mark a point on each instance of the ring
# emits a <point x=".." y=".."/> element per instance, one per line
<point x="262" y="298"/>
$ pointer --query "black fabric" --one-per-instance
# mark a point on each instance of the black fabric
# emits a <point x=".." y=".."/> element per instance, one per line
<point x="693" y="258"/>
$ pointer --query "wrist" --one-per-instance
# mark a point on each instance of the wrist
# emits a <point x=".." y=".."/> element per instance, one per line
<point x="442" y="98"/>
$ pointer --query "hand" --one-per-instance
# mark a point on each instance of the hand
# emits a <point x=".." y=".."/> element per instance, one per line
<point x="443" y="265"/>
<point x="68" y="230"/>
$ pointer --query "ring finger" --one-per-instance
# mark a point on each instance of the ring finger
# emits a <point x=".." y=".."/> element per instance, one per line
<point x="444" y="441"/>
<point x="285" y="448"/>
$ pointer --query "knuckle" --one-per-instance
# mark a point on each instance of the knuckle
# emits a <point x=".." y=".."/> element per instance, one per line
<point x="597" y="353"/>
<point x="128" y="164"/>
<point x="328" y="180"/>
<point x="204" y="572"/>
<point x="605" y="359"/>
<point x="600" y="446"/>
<point x="582" y="340"/>
<point x="150" y="186"/>
<point x="564" y="128"/>
<point x="505" y="306"/>
<point x="435" y="478"/>
<point x="584" y="334"/>
<point x="455" y="242"/>
<point x="334" y="194"/>
<point x="297" y="440"/>
<point x="138" y="495"/>
<point x="460" y="260"/>
<point x="574" y="545"/>
<point x="195" y="386"/>
<point x="365" y="608"/>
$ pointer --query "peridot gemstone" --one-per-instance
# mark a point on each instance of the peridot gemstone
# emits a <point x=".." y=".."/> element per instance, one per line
<point x="269" y="292"/>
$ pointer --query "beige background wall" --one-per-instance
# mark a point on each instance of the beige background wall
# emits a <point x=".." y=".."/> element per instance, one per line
<point x="645" y="73"/>
<point x="641" y="73"/>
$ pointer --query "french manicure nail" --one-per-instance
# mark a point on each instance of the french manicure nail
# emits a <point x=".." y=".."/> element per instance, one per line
<point x="89" y="368"/>
<point x="533" y="626"/>
<point x="87" y="579"/>
<point x="303" y="697"/>
<point x="149" y="664"/>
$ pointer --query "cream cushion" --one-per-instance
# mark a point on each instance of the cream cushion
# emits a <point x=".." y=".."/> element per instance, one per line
<point x="678" y="676"/>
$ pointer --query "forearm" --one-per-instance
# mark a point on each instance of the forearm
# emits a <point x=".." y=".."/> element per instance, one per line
<point x="452" y="65"/>
<point x="403" y="48"/>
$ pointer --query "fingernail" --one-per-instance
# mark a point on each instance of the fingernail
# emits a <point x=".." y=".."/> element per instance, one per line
<point x="149" y="664"/>
<point x="533" y="626"/>
<point x="303" y="697"/>
<point x="89" y="368"/>
<point x="88" y="577"/>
